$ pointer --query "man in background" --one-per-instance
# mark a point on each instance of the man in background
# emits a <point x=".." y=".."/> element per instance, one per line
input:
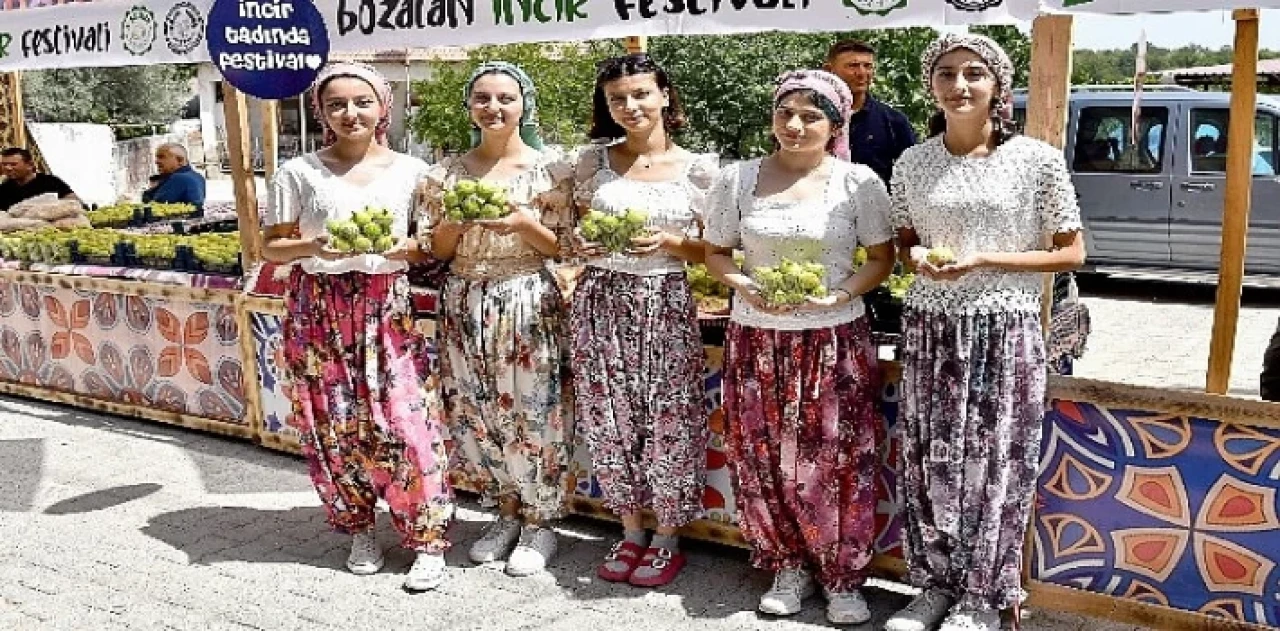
<point x="176" y="182"/>
<point x="878" y="133"/>
<point x="21" y="182"/>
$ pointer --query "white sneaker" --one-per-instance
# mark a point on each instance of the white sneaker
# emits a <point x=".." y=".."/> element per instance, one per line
<point x="497" y="541"/>
<point x="366" y="555"/>
<point x="790" y="588"/>
<point x="847" y="607"/>
<point x="427" y="572"/>
<point x="537" y="546"/>
<point x="971" y="620"/>
<point x="924" y="613"/>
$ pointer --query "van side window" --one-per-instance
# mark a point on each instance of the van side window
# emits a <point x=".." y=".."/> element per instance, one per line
<point x="1209" y="141"/>
<point x="1104" y="140"/>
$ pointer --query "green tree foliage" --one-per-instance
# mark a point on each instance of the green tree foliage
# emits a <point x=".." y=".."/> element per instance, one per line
<point x="112" y="96"/>
<point x="563" y="73"/>
<point x="1109" y="67"/>
<point x="726" y="82"/>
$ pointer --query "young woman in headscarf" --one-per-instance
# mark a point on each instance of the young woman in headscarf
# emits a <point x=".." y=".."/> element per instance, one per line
<point x="801" y="384"/>
<point x="973" y="387"/>
<point x="502" y="346"/>
<point x="637" y="347"/>
<point x="359" y="396"/>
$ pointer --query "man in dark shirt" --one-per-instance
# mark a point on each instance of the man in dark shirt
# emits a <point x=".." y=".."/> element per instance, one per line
<point x="878" y="134"/>
<point x="21" y="182"/>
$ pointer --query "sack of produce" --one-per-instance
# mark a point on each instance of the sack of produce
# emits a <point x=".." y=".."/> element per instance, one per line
<point x="52" y="211"/>
<point x="21" y="208"/>
<point x="11" y="224"/>
<point x="69" y="223"/>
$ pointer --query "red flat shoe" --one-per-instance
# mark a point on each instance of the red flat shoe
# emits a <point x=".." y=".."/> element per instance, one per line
<point x="626" y="552"/>
<point x="667" y="563"/>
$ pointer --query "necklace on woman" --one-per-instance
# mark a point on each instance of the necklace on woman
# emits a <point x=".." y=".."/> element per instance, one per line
<point x="645" y="160"/>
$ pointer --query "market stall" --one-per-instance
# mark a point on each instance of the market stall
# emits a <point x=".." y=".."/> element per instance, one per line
<point x="1153" y="507"/>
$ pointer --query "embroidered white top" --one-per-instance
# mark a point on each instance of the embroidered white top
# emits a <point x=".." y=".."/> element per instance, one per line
<point x="1008" y="201"/>
<point x="674" y="206"/>
<point x="305" y="191"/>
<point x="853" y="210"/>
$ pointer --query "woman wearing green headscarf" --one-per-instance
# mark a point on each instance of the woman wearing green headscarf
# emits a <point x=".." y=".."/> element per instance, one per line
<point x="501" y="338"/>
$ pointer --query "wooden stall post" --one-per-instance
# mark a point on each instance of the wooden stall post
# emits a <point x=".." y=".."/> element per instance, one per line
<point x="13" y="129"/>
<point x="1235" y="212"/>
<point x="236" y="113"/>
<point x="270" y="137"/>
<point x="1048" y="97"/>
<point x="636" y="44"/>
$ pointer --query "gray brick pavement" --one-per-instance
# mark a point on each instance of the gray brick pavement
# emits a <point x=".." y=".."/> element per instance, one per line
<point x="1157" y="334"/>
<point x="115" y="524"/>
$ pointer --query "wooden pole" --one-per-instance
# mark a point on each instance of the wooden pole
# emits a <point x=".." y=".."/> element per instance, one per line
<point x="1235" y="213"/>
<point x="636" y="44"/>
<point x="13" y="129"/>
<point x="303" y="138"/>
<point x="1048" y="98"/>
<point x="236" y="114"/>
<point x="270" y="137"/>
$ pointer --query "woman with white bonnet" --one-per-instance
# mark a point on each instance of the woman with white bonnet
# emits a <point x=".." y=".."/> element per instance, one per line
<point x="980" y="213"/>
<point x="801" y="383"/>
<point x="360" y="401"/>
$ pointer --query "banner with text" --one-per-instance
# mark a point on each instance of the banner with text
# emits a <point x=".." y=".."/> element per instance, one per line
<point x="37" y="34"/>
<point x="137" y="32"/>
<point x="393" y="24"/>
<point x="106" y="33"/>
<point x="1150" y="6"/>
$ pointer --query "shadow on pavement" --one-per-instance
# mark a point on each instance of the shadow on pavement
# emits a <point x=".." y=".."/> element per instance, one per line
<point x="226" y="465"/>
<point x="717" y="583"/>
<point x="100" y="500"/>
<point x="21" y="473"/>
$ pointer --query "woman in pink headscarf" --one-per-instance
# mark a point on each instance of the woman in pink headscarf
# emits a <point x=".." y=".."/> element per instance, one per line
<point x="360" y="402"/>
<point x="801" y="386"/>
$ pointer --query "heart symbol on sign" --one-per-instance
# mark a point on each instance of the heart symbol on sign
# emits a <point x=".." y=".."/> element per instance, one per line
<point x="313" y="61"/>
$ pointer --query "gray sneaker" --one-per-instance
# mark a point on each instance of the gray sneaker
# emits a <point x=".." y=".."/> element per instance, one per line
<point x="786" y="597"/>
<point x="847" y="607"/>
<point x="537" y="546"/>
<point x="497" y="541"/>
<point x="366" y="555"/>
<point x="924" y="613"/>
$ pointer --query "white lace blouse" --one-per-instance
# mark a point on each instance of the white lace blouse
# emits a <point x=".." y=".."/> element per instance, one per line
<point x="306" y="192"/>
<point x="673" y="206"/>
<point x="1012" y="200"/>
<point x="853" y="210"/>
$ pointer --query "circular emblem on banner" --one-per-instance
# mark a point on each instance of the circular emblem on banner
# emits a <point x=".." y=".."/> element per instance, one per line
<point x="138" y="30"/>
<point x="875" y="7"/>
<point x="271" y="49"/>
<point x="975" y="5"/>
<point x="183" y="28"/>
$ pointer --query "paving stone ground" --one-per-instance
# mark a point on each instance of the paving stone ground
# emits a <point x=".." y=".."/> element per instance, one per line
<point x="110" y="524"/>
<point x="1154" y="333"/>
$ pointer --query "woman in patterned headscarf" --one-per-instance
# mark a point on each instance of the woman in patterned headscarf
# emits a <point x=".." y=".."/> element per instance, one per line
<point x="979" y="212"/>
<point x="502" y="352"/>
<point x="359" y="397"/>
<point x="801" y="383"/>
